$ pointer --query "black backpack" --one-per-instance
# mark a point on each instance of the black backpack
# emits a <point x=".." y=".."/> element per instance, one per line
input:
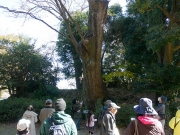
<point x="56" y="129"/>
<point x="100" y="116"/>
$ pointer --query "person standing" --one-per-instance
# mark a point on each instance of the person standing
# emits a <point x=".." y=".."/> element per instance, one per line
<point x="108" y="125"/>
<point x="32" y="116"/>
<point x="161" y="109"/>
<point x="47" y="111"/>
<point x="59" y="117"/>
<point x="77" y="112"/>
<point x="146" y="122"/>
<point x="90" y="122"/>
<point x="174" y="123"/>
<point x="103" y="110"/>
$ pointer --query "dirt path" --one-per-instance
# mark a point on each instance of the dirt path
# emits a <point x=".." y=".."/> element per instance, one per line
<point x="10" y="129"/>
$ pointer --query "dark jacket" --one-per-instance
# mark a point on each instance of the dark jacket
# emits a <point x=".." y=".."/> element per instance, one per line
<point x="146" y="126"/>
<point x="78" y="112"/>
<point x="59" y="117"/>
<point x="161" y="108"/>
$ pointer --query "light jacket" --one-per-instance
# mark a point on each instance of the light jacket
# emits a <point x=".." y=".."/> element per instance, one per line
<point x="32" y="116"/>
<point x="172" y="123"/>
<point x="59" y="117"/>
<point x="92" y="120"/>
<point x="146" y="126"/>
<point x="45" y="113"/>
<point x="108" y="125"/>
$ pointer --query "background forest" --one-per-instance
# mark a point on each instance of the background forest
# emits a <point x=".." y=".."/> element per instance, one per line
<point x="140" y="54"/>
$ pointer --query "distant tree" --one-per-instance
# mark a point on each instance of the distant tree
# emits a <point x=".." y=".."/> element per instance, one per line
<point x="22" y="66"/>
<point x="164" y="26"/>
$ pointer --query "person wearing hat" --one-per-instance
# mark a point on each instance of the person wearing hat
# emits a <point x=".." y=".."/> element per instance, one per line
<point x="77" y="115"/>
<point x="47" y="111"/>
<point x="103" y="110"/>
<point x="32" y="116"/>
<point x="161" y="109"/>
<point x="147" y="122"/>
<point x="23" y="127"/>
<point x="108" y="125"/>
<point x="59" y="117"/>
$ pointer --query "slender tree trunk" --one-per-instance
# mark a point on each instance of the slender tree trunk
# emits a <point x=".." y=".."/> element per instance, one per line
<point x="168" y="54"/>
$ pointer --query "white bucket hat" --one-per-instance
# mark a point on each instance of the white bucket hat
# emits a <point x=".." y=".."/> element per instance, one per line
<point x="23" y="124"/>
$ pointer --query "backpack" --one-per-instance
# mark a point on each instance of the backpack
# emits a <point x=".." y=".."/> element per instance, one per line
<point x="100" y="116"/>
<point x="56" y="129"/>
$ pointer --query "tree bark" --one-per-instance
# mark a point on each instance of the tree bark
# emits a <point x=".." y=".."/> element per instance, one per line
<point x="91" y="53"/>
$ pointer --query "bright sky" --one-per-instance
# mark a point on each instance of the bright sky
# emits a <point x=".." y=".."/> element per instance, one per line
<point x="33" y="28"/>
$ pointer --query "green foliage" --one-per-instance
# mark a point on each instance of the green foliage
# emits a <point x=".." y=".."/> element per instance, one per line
<point x="49" y="91"/>
<point x="23" y="67"/>
<point x="124" y="115"/>
<point x="13" y="108"/>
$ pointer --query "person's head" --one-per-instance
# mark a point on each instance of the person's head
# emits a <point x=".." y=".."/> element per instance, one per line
<point x="30" y="108"/>
<point x="49" y="102"/>
<point x="145" y="107"/>
<point x="74" y="101"/>
<point x="112" y="107"/>
<point x="60" y="104"/>
<point x="162" y="99"/>
<point x="23" y="124"/>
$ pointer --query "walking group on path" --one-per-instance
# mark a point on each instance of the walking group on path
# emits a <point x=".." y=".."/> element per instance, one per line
<point x="54" y="121"/>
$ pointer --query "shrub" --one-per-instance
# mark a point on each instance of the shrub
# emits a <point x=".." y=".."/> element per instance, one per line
<point x="124" y="115"/>
<point x="12" y="109"/>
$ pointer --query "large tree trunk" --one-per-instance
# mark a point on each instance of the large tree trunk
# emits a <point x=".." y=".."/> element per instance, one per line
<point x="91" y="53"/>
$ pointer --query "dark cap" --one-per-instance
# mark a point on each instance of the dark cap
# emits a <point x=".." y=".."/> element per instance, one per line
<point x="49" y="101"/>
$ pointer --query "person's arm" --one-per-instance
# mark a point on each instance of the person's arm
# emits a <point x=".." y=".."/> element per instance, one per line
<point x="44" y="129"/>
<point x="92" y="118"/>
<point x="73" y="129"/>
<point x="158" y="108"/>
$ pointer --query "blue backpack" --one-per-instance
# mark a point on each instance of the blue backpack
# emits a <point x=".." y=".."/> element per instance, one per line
<point x="56" y="129"/>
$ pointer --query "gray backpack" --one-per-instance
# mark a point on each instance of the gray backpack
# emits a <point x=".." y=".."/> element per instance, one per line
<point x="56" y="129"/>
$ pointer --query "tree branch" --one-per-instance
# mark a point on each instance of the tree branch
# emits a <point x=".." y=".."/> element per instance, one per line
<point x="34" y="17"/>
<point x="164" y="11"/>
<point x="176" y="48"/>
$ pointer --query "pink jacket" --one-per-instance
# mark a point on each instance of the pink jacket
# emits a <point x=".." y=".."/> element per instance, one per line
<point x="92" y="120"/>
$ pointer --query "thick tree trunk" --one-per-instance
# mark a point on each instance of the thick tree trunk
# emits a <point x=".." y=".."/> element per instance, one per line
<point x="91" y="53"/>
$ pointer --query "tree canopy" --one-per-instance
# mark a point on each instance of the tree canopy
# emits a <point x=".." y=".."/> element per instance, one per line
<point x="23" y="67"/>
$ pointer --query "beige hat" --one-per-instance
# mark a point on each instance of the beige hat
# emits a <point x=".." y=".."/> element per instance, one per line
<point x="23" y="124"/>
<point x="113" y="105"/>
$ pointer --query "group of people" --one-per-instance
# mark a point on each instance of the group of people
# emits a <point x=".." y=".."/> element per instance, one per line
<point x="149" y="121"/>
